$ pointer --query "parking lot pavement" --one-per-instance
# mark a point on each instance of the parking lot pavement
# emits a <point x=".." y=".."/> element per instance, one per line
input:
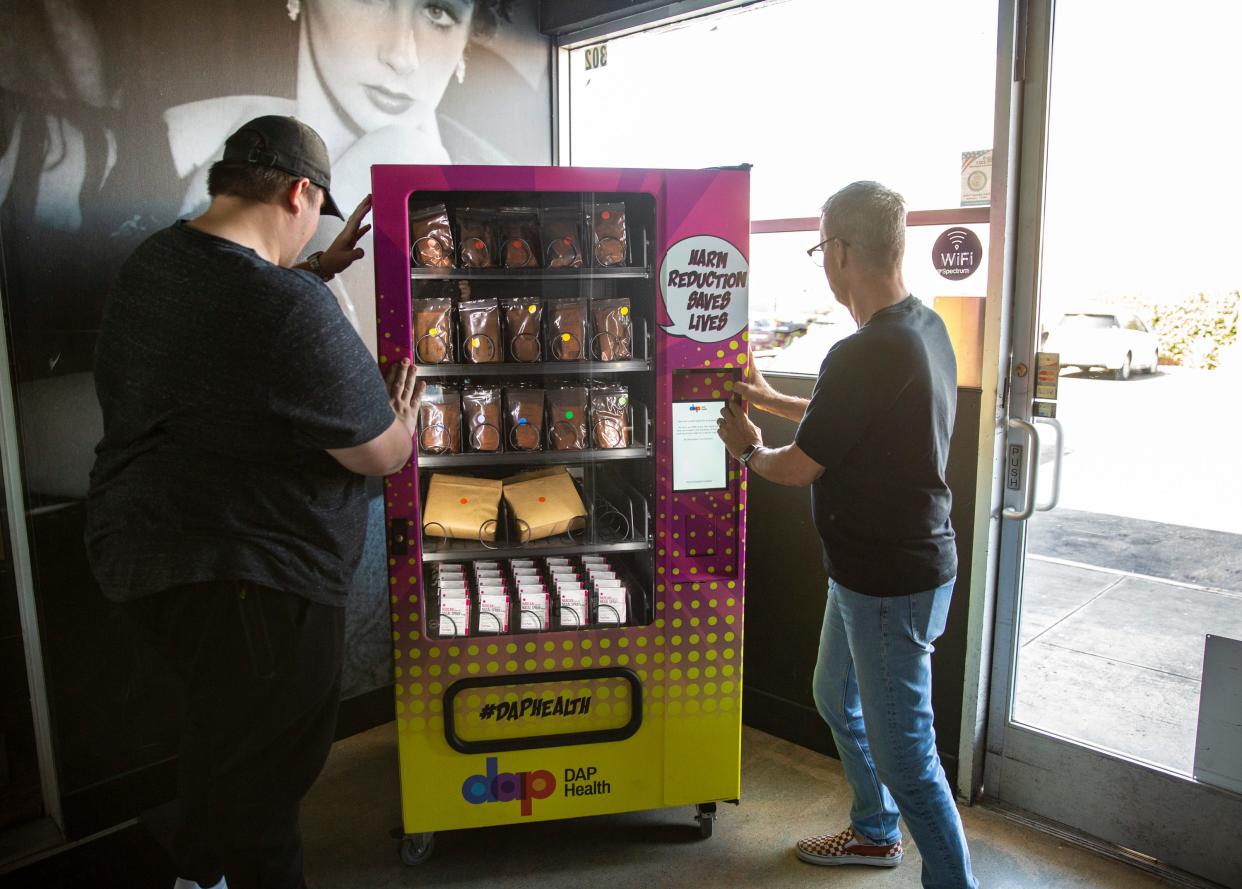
<point x="1114" y="614"/>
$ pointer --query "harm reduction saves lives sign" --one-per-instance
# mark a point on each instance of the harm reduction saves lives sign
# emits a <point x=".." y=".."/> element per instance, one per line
<point x="705" y="280"/>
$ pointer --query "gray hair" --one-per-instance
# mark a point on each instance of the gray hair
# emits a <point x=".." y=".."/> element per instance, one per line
<point x="871" y="219"/>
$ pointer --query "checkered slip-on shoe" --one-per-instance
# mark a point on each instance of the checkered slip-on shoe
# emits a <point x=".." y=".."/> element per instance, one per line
<point x="847" y="848"/>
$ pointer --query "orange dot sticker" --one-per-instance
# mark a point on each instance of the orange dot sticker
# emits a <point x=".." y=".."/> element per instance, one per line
<point x="605" y="215"/>
<point x="465" y="500"/>
<point x="478" y="245"/>
<point x="517" y="243"/>
<point x="543" y="499"/>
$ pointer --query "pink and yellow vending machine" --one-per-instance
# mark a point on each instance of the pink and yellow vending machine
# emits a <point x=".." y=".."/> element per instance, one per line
<point x="567" y="546"/>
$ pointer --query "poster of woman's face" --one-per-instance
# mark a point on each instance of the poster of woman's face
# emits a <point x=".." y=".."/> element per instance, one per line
<point x="111" y="114"/>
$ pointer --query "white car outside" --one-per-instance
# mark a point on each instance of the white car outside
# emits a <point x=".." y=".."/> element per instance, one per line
<point x="1117" y="341"/>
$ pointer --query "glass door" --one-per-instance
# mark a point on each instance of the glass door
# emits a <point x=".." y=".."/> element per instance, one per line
<point x="1103" y="707"/>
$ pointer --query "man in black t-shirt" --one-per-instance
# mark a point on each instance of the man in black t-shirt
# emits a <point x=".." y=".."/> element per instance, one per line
<point x="873" y="444"/>
<point x="227" y="507"/>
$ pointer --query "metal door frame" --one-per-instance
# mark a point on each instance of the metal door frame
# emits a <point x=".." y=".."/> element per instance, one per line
<point x="1168" y="817"/>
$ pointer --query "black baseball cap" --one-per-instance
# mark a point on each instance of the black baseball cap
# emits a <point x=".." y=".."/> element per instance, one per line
<point x="288" y="145"/>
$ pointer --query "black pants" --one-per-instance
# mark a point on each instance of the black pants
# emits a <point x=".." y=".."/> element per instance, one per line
<point x="261" y="671"/>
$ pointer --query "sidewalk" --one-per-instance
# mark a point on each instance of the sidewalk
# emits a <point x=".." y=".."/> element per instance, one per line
<point x="1112" y="648"/>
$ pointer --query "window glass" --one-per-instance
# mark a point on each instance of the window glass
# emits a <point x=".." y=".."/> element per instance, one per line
<point x="814" y="95"/>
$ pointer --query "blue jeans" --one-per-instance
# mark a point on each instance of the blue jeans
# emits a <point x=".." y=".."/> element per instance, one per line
<point x="872" y="685"/>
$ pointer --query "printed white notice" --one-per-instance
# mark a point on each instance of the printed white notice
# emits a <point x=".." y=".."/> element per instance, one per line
<point x="698" y="453"/>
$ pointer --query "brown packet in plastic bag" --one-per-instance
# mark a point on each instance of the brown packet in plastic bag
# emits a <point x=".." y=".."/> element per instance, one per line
<point x="462" y="507"/>
<point x="519" y="237"/>
<point x="523" y="328"/>
<point x="545" y="506"/>
<point x="433" y="320"/>
<point x="481" y="407"/>
<point x="612" y="334"/>
<point x="567" y="417"/>
<point x="439" y="421"/>
<point x="567" y="329"/>
<point x="524" y="410"/>
<point x="477" y="230"/>
<point x="610" y="426"/>
<point x="608" y="238"/>
<point x="561" y="232"/>
<point x="478" y="323"/>
<point x="431" y="238"/>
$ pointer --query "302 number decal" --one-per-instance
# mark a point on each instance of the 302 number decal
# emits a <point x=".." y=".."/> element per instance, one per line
<point x="596" y="57"/>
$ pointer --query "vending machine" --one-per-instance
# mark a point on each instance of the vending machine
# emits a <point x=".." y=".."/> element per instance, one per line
<point x="566" y="548"/>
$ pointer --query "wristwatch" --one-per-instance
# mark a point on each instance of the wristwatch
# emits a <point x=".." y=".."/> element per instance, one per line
<point x="316" y="267"/>
<point x="744" y="457"/>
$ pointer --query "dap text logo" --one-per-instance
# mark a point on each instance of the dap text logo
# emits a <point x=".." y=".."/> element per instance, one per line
<point x="505" y="787"/>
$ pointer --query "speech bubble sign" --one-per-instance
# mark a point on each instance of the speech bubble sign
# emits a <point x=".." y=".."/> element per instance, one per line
<point x="705" y="284"/>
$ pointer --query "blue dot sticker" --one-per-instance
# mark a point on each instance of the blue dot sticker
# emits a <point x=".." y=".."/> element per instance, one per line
<point x="522" y="422"/>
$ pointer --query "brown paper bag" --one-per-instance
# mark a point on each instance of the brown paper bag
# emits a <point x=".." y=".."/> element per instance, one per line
<point x="545" y="506"/>
<point x="462" y="507"/>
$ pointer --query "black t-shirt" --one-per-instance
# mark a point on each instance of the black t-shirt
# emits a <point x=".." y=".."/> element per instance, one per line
<point x="879" y="423"/>
<point x="223" y="378"/>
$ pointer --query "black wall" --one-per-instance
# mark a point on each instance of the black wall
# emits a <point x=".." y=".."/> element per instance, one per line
<point x="786" y="586"/>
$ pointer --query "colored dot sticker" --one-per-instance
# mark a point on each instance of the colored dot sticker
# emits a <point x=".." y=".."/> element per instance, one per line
<point x="625" y="310"/>
<point x="543" y="499"/>
<point x="532" y="308"/>
<point x="605" y="215"/>
<point x="433" y="332"/>
<point x="522" y="421"/>
<point x="623" y="401"/>
<point x="478" y="245"/>
<point x="565" y="337"/>
<point x="569" y="415"/>
<point x="517" y="243"/>
<point x="465" y="500"/>
<point x="475" y="342"/>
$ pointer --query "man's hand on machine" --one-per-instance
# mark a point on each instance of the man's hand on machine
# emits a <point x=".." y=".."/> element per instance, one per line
<point x="405" y="391"/>
<point x="758" y="392"/>
<point x="344" y="251"/>
<point x="735" y="428"/>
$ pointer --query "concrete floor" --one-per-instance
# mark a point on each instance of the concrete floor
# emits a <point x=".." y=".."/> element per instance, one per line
<point x="787" y="792"/>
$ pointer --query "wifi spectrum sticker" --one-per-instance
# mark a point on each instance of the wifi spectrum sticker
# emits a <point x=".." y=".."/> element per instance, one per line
<point x="957" y="253"/>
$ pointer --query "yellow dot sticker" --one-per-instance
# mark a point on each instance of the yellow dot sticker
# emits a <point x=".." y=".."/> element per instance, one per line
<point x="532" y="308"/>
<point x="433" y="332"/>
<point x="475" y="342"/>
<point x="625" y="310"/>
<point x="565" y="337"/>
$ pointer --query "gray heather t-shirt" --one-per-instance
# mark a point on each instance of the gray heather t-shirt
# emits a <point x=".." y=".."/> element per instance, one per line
<point x="223" y="378"/>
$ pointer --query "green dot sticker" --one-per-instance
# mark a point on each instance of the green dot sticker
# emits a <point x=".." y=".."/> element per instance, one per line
<point x="569" y="415"/>
<point x="623" y="401"/>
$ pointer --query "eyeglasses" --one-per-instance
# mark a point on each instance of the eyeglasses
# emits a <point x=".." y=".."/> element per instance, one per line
<point x="816" y="253"/>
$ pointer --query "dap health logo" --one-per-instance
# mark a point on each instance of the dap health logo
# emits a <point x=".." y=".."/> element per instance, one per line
<point x="697" y="408"/>
<point x="957" y="253"/>
<point x="505" y="787"/>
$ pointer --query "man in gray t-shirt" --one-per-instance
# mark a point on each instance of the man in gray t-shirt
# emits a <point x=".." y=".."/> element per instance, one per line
<point x="227" y="508"/>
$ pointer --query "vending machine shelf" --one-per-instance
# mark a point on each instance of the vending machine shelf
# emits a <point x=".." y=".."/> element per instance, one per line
<point x="534" y="368"/>
<point x="583" y="274"/>
<point x="461" y="550"/>
<point x="528" y="458"/>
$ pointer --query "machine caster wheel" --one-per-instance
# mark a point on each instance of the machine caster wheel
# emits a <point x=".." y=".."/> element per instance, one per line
<point x="416" y="848"/>
<point x="705" y="814"/>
